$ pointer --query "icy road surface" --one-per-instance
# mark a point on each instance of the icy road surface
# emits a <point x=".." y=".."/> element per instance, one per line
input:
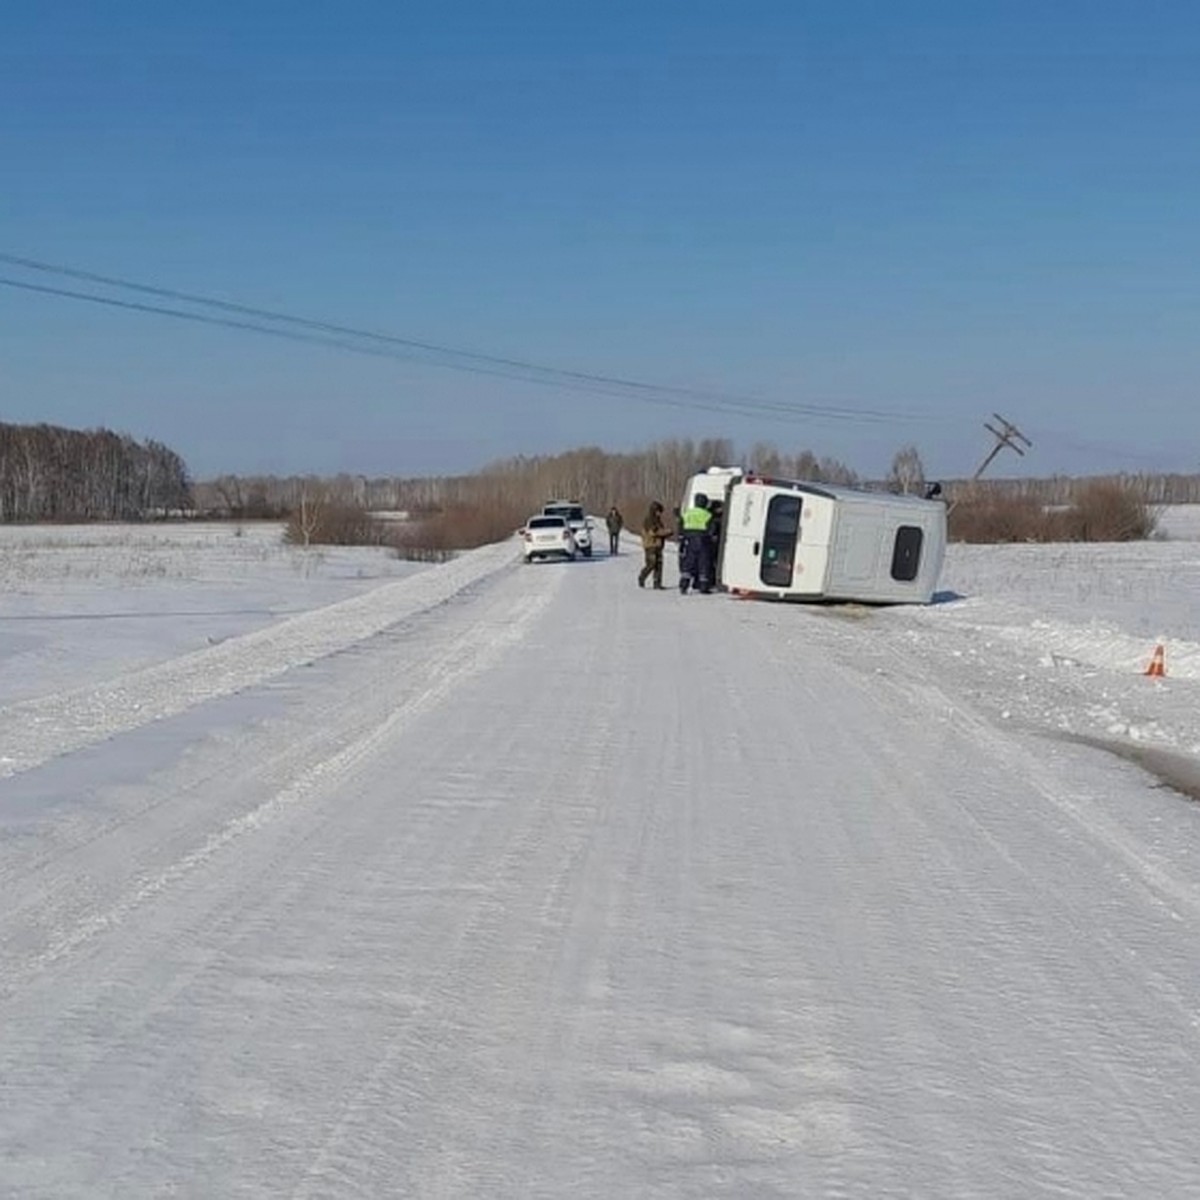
<point x="521" y="882"/>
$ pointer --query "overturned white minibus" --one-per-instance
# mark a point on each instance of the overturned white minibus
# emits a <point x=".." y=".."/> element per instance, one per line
<point x="811" y="541"/>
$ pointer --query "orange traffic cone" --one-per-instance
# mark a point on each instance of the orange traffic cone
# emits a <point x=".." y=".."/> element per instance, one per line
<point x="1157" y="667"/>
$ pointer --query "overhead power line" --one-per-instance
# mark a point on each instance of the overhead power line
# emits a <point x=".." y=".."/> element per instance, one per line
<point x="771" y="413"/>
<point x="364" y="341"/>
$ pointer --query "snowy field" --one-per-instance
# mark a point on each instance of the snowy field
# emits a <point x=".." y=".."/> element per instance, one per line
<point x="325" y="875"/>
<point x="80" y="603"/>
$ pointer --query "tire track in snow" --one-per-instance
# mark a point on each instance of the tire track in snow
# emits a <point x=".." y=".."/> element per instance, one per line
<point x="35" y="731"/>
<point x="1136" y="863"/>
<point x="1161" y="885"/>
<point x="908" y="671"/>
<point x="548" y="833"/>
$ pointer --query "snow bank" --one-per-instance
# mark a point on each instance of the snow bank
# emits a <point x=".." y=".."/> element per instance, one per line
<point x="35" y="730"/>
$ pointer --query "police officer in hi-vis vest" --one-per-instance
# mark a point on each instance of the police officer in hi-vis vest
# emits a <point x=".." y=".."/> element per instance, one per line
<point x="695" y="556"/>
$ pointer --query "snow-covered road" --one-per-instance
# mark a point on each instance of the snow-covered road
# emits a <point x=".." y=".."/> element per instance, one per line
<point x="523" y="882"/>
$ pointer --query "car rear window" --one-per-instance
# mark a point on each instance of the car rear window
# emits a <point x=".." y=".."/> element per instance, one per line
<point x="547" y="523"/>
<point x="569" y="512"/>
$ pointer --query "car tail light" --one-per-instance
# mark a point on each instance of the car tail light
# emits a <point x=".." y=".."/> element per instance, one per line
<point x="566" y="535"/>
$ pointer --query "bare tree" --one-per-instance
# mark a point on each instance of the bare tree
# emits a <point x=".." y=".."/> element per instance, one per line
<point x="765" y="458"/>
<point x="306" y="519"/>
<point x="229" y="489"/>
<point x="907" y="476"/>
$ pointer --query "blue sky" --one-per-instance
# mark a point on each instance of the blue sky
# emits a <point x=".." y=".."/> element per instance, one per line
<point x="928" y="210"/>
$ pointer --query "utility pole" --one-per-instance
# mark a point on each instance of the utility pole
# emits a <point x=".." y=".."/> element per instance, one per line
<point x="1007" y="435"/>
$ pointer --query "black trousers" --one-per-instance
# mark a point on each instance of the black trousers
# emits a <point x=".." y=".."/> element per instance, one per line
<point x="696" y="562"/>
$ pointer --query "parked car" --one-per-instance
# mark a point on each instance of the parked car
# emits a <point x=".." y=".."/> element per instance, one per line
<point x="576" y="518"/>
<point x="548" y="537"/>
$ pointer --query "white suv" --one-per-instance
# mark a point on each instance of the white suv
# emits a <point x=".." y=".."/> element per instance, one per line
<point x="572" y="512"/>
<point x="548" y="537"/>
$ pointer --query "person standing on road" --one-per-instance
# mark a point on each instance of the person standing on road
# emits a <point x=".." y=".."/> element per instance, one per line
<point x="695" y="557"/>
<point x="615" y="523"/>
<point x="717" y="508"/>
<point x="654" y="535"/>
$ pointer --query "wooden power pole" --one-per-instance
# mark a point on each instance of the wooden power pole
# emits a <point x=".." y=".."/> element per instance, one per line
<point x="1008" y="435"/>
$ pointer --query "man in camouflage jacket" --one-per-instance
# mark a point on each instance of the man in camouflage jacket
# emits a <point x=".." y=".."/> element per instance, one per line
<point x="654" y="535"/>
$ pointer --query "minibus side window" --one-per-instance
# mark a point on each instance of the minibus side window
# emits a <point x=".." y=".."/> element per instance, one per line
<point x="779" y="541"/>
<point x="906" y="554"/>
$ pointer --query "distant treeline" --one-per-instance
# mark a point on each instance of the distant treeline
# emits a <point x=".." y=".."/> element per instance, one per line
<point x="599" y="478"/>
<point x="593" y="476"/>
<point x="52" y="474"/>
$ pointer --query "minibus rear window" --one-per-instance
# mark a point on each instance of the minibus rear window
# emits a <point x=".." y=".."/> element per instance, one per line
<point x="779" y="541"/>
<point x="906" y="554"/>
